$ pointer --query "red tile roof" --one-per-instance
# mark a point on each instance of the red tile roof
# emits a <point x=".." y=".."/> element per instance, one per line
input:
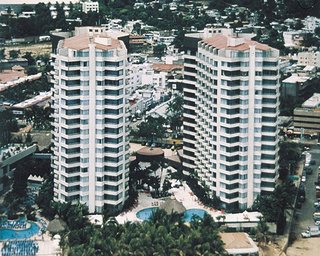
<point x="10" y="75"/>
<point x="166" y="67"/>
<point x="81" y="42"/>
<point x="221" y="42"/>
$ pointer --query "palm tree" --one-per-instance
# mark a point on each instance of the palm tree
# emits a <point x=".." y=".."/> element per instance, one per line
<point x="262" y="231"/>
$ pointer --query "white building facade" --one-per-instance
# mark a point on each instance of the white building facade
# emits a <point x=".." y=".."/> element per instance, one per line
<point x="90" y="120"/>
<point x="230" y="125"/>
<point x="309" y="58"/>
<point x="90" y="6"/>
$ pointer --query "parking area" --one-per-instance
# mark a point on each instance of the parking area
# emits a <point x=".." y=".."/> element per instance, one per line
<point x="304" y="216"/>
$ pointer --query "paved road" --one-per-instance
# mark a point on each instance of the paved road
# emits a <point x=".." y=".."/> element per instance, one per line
<point x="309" y="246"/>
<point x="159" y="109"/>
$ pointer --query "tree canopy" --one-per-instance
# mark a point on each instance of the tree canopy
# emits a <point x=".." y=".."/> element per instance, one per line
<point x="162" y="235"/>
<point x="175" y="111"/>
<point x="152" y="128"/>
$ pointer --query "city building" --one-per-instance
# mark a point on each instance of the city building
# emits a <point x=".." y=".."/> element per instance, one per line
<point x="307" y="117"/>
<point x="239" y="243"/>
<point x="311" y="23"/>
<point x="231" y="104"/>
<point x="90" y="121"/>
<point x="309" y="58"/>
<point x="293" y="39"/>
<point x="10" y="155"/>
<point x="89" y="6"/>
<point x="294" y="86"/>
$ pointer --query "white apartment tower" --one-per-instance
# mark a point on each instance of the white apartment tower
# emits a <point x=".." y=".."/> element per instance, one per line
<point x="90" y="157"/>
<point x="231" y="104"/>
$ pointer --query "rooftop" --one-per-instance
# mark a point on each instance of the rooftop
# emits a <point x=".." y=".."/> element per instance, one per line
<point x="296" y="79"/>
<point x="234" y="43"/>
<point x="312" y="102"/>
<point x="166" y="67"/>
<point x="238" y="242"/>
<point x="33" y="101"/>
<point x="10" y="75"/>
<point x="149" y="151"/>
<point x="82" y="42"/>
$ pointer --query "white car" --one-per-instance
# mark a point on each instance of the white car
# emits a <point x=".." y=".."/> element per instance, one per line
<point x="303" y="179"/>
<point x="306" y="234"/>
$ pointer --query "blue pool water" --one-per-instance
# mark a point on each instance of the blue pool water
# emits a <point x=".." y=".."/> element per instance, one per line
<point x="187" y="215"/>
<point x="145" y="214"/>
<point x="9" y="234"/>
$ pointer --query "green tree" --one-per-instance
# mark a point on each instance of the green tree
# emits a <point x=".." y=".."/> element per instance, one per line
<point x="26" y="8"/>
<point x="29" y="57"/>
<point x="2" y="55"/>
<point x="14" y="54"/>
<point x="174" y="112"/>
<point x="159" y="50"/>
<point x="152" y="128"/>
<point x="8" y="124"/>
<point x="262" y="234"/>
<point x="273" y="206"/>
<point x="310" y="40"/>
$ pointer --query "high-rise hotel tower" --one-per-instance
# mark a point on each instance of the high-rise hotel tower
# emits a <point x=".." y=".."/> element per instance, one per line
<point x="90" y="157"/>
<point x="231" y="104"/>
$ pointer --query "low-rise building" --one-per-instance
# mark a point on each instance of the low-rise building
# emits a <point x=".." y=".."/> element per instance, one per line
<point x="311" y="23"/>
<point x="294" y="86"/>
<point x="309" y="58"/>
<point x="27" y="14"/>
<point x="13" y="78"/>
<point x="9" y="63"/>
<point x="90" y="6"/>
<point x="9" y="155"/>
<point x="293" y="39"/>
<point x="307" y="117"/>
<point x="41" y="100"/>
<point x="239" y="244"/>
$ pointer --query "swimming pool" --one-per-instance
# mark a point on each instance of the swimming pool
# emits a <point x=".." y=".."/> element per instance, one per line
<point x="188" y="214"/>
<point x="10" y="234"/>
<point x="145" y="214"/>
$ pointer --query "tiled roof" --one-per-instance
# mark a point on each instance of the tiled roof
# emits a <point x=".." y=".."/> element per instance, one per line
<point x="82" y="42"/>
<point x="221" y="42"/>
<point x="166" y="67"/>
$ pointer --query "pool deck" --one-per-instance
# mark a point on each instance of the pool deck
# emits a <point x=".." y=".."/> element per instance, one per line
<point x="184" y="195"/>
<point x="47" y="245"/>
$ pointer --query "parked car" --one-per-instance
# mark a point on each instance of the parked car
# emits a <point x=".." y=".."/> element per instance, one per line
<point x="313" y="162"/>
<point x="316" y="203"/>
<point x="301" y="199"/>
<point x="311" y="231"/>
<point x="308" y="170"/>
<point x="298" y="205"/>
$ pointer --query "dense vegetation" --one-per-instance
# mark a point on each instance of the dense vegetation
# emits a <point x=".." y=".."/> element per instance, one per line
<point x="42" y="22"/>
<point x="274" y="205"/>
<point x="17" y="199"/>
<point x="162" y="235"/>
<point x="8" y="124"/>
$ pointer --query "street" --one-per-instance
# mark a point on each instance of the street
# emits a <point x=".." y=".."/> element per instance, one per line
<point x="307" y="246"/>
